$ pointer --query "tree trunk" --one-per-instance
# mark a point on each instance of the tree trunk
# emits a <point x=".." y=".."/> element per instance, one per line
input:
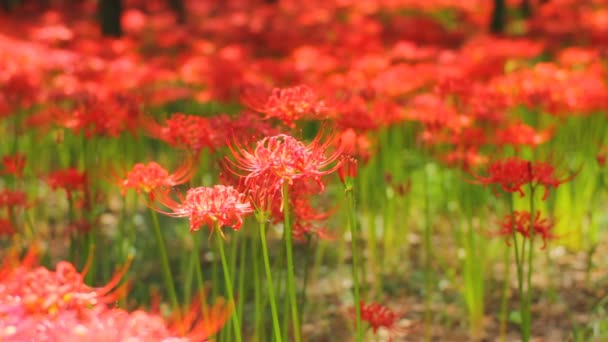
<point x="110" y="12"/>
<point x="499" y="17"/>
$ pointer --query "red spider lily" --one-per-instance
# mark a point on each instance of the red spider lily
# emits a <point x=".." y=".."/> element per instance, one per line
<point x="187" y="131"/>
<point x="64" y="289"/>
<point x="219" y="204"/>
<point x="307" y="219"/>
<point x="150" y="177"/>
<point x="6" y="228"/>
<point x="282" y="158"/>
<point x="200" y="321"/>
<point x="520" y="221"/>
<point x="71" y="180"/>
<point x="513" y="173"/>
<point x="357" y="145"/>
<point x="107" y="115"/>
<point x="379" y="316"/>
<point x="286" y="104"/>
<point x="348" y="169"/>
<point x="37" y="304"/>
<point x="522" y="134"/>
<point x="12" y="199"/>
<point x="13" y="164"/>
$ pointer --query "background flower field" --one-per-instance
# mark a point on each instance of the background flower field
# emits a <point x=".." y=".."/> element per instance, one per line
<point x="337" y="170"/>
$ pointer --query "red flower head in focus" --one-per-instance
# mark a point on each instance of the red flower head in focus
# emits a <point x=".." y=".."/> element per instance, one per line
<point x="282" y="158"/>
<point x="13" y="164"/>
<point x="221" y="205"/>
<point x="513" y="173"/>
<point x="286" y="104"/>
<point x="151" y="177"/>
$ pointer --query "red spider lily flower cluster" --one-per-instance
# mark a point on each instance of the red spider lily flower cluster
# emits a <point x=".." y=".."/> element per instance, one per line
<point x="103" y="115"/>
<point x="308" y="218"/>
<point x="286" y="104"/>
<point x="71" y="180"/>
<point x="13" y="164"/>
<point x="520" y="222"/>
<point x="282" y="158"/>
<point x="380" y="317"/>
<point x="62" y="290"/>
<point x="221" y="205"/>
<point x="13" y="199"/>
<point x="37" y="304"/>
<point x="513" y="173"/>
<point x="186" y="131"/>
<point x="6" y="228"/>
<point x="150" y="178"/>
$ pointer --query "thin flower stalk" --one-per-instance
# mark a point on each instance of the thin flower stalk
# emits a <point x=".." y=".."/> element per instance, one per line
<point x="291" y="283"/>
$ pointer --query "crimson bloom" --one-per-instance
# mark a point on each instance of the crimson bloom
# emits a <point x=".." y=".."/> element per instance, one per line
<point x="287" y="104"/>
<point x="513" y="173"/>
<point x="520" y="223"/>
<point x="282" y="158"/>
<point x="11" y="199"/>
<point x="221" y="205"/>
<point x="379" y="316"/>
<point x="70" y="180"/>
<point x="150" y="177"/>
<point x="13" y="164"/>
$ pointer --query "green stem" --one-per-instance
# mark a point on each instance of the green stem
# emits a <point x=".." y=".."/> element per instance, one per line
<point x="198" y="269"/>
<point x="291" y="282"/>
<point x="228" y="282"/>
<point x="427" y="261"/>
<point x="269" y="281"/>
<point x="504" y="305"/>
<point x="257" y="295"/>
<point x="530" y="265"/>
<point x="165" y="262"/>
<point x="519" y="267"/>
<point x="350" y="200"/>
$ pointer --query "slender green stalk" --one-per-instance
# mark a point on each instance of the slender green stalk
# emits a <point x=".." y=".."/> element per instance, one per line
<point x="198" y="269"/>
<point x="241" y="299"/>
<point x="228" y="282"/>
<point x="257" y="290"/>
<point x="291" y="281"/>
<point x="427" y="259"/>
<point x="350" y="200"/>
<point x="528" y="321"/>
<point x="504" y="302"/>
<point x="269" y="281"/>
<point x="307" y="258"/>
<point x="165" y="262"/>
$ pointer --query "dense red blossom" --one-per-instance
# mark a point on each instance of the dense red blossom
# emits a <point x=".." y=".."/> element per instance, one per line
<point x="6" y="228"/>
<point x="282" y="159"/>
<point x="520" y="134"/>
<point x="109" y="115"/>
<point x="520" y="222"/>
<point x="221" y="205"/>
<point x="148" y="178"/>
<point x="379" y="317"/>
<point x="71" y="180"/>
<point x="13" y="199"/>
<point x="13" y="164"/>
<point x="513" y="173"/>
<point x="191" y="132"/>
<point x="286" y="104"/>
<point x="37" y="304"/>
